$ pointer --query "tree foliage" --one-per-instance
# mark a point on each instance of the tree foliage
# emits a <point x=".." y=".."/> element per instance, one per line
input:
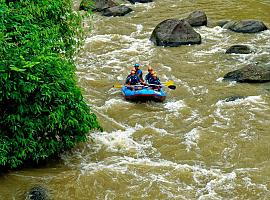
<point x="42" y="111"/>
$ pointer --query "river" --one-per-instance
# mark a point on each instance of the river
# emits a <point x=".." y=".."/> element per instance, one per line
<point x="195" y="145"/>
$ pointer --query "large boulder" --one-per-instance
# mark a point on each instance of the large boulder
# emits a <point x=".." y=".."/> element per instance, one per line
<point x="197" y="18"/>
<point x="174" y="32"/>
<point x="97" y="5"/>
<point x="246" y="26"/>
<point x="239" y="49"/>
<point x="116" y="11"/>
<point x="140" y="1"/>
<point x="250" y="74"/>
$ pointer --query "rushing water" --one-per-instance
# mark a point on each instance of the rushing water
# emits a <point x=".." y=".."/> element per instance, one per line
<point x="195" y="145"/>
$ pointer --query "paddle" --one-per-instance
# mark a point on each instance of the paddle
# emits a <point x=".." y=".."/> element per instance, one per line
<point x="172" y="87"/>
<point x="169" y="84"/>
<point x="120" y="86"/>
<point x="117" y="86"/>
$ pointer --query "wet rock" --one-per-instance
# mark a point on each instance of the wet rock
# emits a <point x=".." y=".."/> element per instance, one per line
<point x="140" y="1"/>
<point x="250" y="74"/>
<point x="239" y="49"/>
<point x="37" y="193"/>
<point x="174" y="32"/>
<point x="97" y="5"/>
<point x="116" y="11"/>
<point x="246" y="26"/>
<point x="221" y="23"/>
<point x="197" y="18"/>
<point x="233" y="98"/>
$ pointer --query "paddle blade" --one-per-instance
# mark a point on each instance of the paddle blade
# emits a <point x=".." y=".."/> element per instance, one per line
<point x="117" y="86"/>
<point x="172" y="87"/>
<point x="169" y="83"/>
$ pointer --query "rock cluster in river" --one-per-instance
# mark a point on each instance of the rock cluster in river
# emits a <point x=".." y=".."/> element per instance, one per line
<point x="174" y="32"/>
<point x="109" y="8"/>
<point x="177" y="32"/>
<point x="256" y="73"/>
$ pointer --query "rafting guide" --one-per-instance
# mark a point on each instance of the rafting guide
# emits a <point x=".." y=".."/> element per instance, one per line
<point x="138" y="71"/>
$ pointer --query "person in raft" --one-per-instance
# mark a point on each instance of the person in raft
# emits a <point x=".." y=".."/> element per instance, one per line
<point x="154" y="81"/>
<point x="132" y="78"/>
<point x="138" y="71"/>
<point x="149" y="75"/>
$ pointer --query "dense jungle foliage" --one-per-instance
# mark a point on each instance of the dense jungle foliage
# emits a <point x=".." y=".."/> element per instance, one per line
<point x="42" y="111"/>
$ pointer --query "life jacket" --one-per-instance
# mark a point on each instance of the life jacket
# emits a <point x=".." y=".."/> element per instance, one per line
<point x="154" y="81"/>
<point x="147" y="77"/>
<point x="132" y="80"/>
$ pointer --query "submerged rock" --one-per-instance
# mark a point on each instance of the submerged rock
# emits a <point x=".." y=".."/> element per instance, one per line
<point x="140" y="1"/>
<point x="246" y="26"/>
<point x="116" y="11"/>
<point x="250" y="74"/>
<point x="233" y="98"/>
<point x="174" y="32"/>
<point x="239" y="49"/>
<point x="197" y="18"/>
<point x="37" y="193"/>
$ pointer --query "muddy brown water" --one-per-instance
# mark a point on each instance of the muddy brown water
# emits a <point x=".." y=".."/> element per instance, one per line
<point x="195" y="145"/>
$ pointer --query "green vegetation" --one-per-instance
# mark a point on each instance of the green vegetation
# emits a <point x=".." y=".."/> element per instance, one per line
<point x="42" y="111"/>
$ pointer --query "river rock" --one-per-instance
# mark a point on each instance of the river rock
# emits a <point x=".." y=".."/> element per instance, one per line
<point x="233" y="98"/>
<point x="250" y="74"/>
<point x="197" y="18"/>
<point x="239" y="49"/>
<point x="246" y="26"/>
<point x="97" y="5"/>
<point x="37" y="193"/>
<point x="116" y="11"/>
<point x="140" y="1"/>
<point x="174" y="32"/>
<point x="221" y="23"/>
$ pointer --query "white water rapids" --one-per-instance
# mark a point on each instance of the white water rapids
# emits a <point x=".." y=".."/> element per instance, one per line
<point x="195" y="145"/>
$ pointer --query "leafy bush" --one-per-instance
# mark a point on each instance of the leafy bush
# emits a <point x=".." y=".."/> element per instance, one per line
<point x="42" y="111"/>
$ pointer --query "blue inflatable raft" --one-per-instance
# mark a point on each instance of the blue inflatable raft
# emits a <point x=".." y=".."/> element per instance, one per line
<point x="143" y="93"/>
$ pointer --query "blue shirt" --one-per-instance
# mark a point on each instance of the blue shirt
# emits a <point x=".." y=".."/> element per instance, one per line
<point x="139" y="73"/>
